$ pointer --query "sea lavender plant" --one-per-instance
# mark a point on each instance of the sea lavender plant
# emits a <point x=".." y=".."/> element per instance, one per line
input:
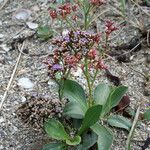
<point x="88" y="111"/>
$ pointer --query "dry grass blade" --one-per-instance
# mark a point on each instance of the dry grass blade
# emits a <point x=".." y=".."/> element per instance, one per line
<point x="11" y="79"/>
<point x="141" y="8"/>
<point x="132" y="129"/>
<point x="148" y="35"/>
<point x="3" y="5"/>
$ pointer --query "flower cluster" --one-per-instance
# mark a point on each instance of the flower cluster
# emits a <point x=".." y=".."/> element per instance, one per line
<point x="110" y="27"/>
<point x="71" y="52"/>
<point x="78" y="41"/>
<point x="63" y="10"/>
<point x="97" y="2"/>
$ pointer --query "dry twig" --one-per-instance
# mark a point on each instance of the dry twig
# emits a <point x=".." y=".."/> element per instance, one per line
<point x="148" y="35"/>
<point x="11" y="79"/>
<point x="5" y="2"/>
<point x="129" y="138"/>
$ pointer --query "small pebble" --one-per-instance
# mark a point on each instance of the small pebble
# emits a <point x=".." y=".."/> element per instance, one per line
<point x="1" y="119"/>
<point x="35" y="8"/>
<point x="1" y="23"/>
<point x="5" y="47"/>
<point x="25" y="83"/>
<point x="32" y="25"/>
<point x="23" y="99"/>
<point x="22" y="14"/>
<point x="1" y="36"/>
<point x="65" y="32"/>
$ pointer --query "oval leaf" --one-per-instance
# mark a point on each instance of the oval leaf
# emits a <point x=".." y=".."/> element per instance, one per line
<point x="73" y="109"/>
<point x="120" y="122"/>
<point x="54" y="146"/>
<point x="75" y="93"/>
<point x="114" y="99"/>
<point x="55" y="130"/>
<point x="117" y="94"/>
<point x="45" y="32"/>
<point x="101" y="93"/>
<point x="147" y="115"/>
<point x="75" y="141"/>
<point x="88" y="140"/>
<point x="91" y="117"/>
<point x="105" y="137"/>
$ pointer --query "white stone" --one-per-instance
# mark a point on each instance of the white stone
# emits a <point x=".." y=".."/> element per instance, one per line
<point x="78" y="72"/>
<point x="1" y="23"/>
<point x="22" y="14"/>
<point x="2" y="119"/>
<point x="65" y="32"/>
<point x="5" y="47"/>
<point x="23" y="99"/>
<point x="25" y="83"/>
<point x="148" y="128"/>
<point x="1" y="36"/>
<point x="51" y="82"/>
<point x="32" y="25"/>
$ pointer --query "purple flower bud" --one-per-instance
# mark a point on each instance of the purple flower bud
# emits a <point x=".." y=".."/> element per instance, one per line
<point x="67" y="39"/>
<point x="57" y="67"/>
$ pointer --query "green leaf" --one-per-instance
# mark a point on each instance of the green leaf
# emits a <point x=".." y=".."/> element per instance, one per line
<point x="73" y="109"/>
<point x="74" y="141"/>
<point x="44" y="32"/>
<point x="91" y="117"/>
<point x="105" y="137"/>
<point x="75" y="93"/>
<point x="101" y="93"/>
<point x="55" y="130"/>
<point x="120" y="122"/>
<point x="88" y="140"/>
<point x="147" y="115"/>
<point x="122" y="6"/>
<point x="114" y="99"/>
<point x="54" y="146"/>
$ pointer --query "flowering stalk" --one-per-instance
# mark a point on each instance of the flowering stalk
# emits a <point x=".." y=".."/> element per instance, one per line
<point x="94" y="78"/>
<point x="87" y="75"/>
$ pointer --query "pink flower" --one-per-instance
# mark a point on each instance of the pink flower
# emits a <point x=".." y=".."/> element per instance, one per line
<point x="92" y="53"/>
<point x="53" y="13"/>
<point x="110" y="27"/>
<point x="65" y="10"/>
<point x="97" y="38"/>
<point x="97" y="2"/>
<point x="74" y="7"/>
<point x="100" y="65"/>
<point x="71" y="60"/>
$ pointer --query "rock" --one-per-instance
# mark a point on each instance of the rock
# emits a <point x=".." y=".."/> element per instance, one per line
<point x="22" y="14"/>
<point x="35" y="8"/>
<point x="77" y="73"/>
<point x="32" y="25"/>
<point x="25" y="83"/>
<point x="51" y="83"/>
<point x="1" y="119"/>
<point x="5" y="47"/>
<point x="1" y="23"/>
<point x="23" y="99"/>
<point x="65" y="32"/>
<point x="1" y="36"/>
